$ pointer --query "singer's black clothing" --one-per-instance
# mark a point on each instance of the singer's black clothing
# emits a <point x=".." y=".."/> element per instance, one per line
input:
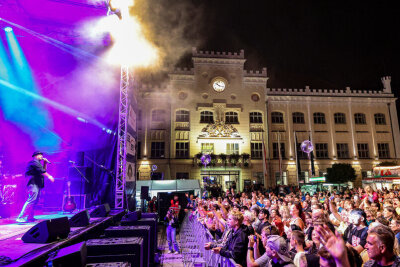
<point x="34" y="171"/>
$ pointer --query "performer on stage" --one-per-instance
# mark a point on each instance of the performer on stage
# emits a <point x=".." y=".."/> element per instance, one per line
<point x="35" y="171"/>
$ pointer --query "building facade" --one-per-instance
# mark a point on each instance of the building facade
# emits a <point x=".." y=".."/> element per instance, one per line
<point x="220" y="109"/>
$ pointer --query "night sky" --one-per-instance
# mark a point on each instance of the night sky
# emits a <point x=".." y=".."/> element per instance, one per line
<point x="324" y="44"/>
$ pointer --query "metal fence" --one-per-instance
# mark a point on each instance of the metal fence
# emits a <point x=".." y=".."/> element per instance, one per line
<point x="193" y="236"/>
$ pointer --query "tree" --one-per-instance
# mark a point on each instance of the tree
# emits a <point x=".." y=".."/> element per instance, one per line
<point x="340" y="173"/>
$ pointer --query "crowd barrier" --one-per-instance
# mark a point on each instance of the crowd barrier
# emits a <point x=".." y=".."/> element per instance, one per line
<point x="193" y="236"/>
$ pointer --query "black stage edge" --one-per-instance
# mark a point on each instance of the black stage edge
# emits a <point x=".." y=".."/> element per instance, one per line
<point x="38" y="257"/>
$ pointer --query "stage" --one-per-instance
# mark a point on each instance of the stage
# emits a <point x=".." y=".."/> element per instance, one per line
<point x="34" y="254"/>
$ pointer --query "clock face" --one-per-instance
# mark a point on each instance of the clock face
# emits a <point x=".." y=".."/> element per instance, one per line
<point x="219" y="85"/>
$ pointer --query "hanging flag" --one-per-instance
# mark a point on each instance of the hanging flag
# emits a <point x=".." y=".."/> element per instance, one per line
<point x="280" y="157"/>
<point x="312" y="159"/>
<point x="297" y="158"/>
<point x="264" y="160"/>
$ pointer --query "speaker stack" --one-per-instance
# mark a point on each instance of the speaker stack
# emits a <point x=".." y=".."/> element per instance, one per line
<point x="116" y="250"/>
<point x="74" y="255"/>
<point x="153" y="230"/>
<point x="142" y="231"/>
<point x="144" y="192"/>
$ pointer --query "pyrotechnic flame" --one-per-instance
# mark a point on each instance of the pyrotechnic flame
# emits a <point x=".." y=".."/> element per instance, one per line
<point x="130" y="47"/>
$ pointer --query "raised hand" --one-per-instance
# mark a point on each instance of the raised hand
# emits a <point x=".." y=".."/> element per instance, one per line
<point x="334" y="243"/>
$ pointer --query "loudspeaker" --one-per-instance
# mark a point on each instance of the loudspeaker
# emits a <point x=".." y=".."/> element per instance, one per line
<point x="74" y="255"/>
<point x="133" y="216"/>
<point x="100" y="211"/>
<point x="138" y="231"/>
<point x="80" y="219"/>
<point x="78" y="183"/>
<point x="47" y="231"/>
<point x="144" y="192"/>
<point x="149" y="215"/>
<point x="153" y="230"/>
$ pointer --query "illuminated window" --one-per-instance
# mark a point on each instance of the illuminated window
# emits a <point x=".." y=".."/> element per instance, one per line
<point x="359" y="118"/>
<point x="256" y="117"/>
<point x="340" y="118"/>
<point x="207" y="148"/>
<point x="206" y="117"/>
<point x="319" y="118"/>
<point x="231" y="117"/>
<point x="380" y="119"/>
<point x="232" y="149"/>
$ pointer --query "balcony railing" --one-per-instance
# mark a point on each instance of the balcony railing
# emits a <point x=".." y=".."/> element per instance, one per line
<point x="256" y="127"/>
<point x="182" y="125"/>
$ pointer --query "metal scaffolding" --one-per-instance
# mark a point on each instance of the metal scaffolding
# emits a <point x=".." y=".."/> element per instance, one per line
<point x="120" y="179"/>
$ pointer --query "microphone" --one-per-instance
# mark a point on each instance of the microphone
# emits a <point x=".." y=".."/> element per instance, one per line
<point x="46" y="160"/>
<point x="70" y="161"/>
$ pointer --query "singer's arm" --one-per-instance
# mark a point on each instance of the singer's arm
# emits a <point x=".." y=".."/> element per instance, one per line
<point x="45" y="162"/>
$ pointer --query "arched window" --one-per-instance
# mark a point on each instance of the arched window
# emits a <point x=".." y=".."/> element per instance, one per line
<point x="298" y="117"/>
<point x="359" y="118"/>
<point x="231" y="117"/>
<point x="182" y="116"/>
<point x="256" y="117"/>
<point x="206" y="117"/>
<point x="157" y="115"/>
<point x="340" y="118"/>
<point x="319" y="118"/>
<point x="276" y="117"/>
<point x="380" y="119"/>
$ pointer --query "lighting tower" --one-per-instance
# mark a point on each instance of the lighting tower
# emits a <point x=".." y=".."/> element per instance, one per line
<point x="120" y="179"/>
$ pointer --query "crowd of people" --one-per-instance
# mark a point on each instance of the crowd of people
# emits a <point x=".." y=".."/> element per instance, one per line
<point x="354" y="227"/>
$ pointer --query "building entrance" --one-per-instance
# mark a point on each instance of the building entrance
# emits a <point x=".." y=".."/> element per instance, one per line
<point x="224" y="178"/>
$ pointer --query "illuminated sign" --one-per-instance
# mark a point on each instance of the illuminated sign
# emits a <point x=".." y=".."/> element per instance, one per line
<point x="317" y="179"/>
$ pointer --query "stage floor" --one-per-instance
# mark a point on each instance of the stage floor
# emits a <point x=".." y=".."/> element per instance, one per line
<point x="11" y="232"/>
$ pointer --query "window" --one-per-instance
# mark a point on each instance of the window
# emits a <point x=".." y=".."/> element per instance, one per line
<point x="232" y="149"/>
<point x="157" y="149"/>
<point x="319" y="118"/>
<point x="231" y="117"/>
<point x="281" y="180"/>
<point x="275" y="151"/>
<point x="298" y="117"/>
<point x="321" y="150"/>
<point x="359" y="118"/>
<point x="300" y="153"/>
<point x="256" y="150"/>
<point x="206" y="117"/>
<point x="276" y="117"/>
<point x="157" y="176"/>
<point x="157" y="115"/>
<point x="340" y="118"/>
<point x="182" y="150"/>
<point x="304" y="176"/>
<point x="182" y="175"/>
<point x="383" y="151"/>
<point x="182" y="116"/>
<point x="342" y="151"/>
<point x="256" y="117"/>
<point x="380" y="119"/>
<point x="366" y="174"/>
<point x="139" y="150"/>
<point x="207" y="148"/>
<point x="363" y="151"/>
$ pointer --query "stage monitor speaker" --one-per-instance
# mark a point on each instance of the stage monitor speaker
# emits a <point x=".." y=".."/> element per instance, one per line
<point x="47" y="231"/>
<point x="80" y="219"/>
<point x="144" y="192"/>
<point x="78" y="184"/>
<point x="74" y="255"/>
<point x="133" y="216"/>
<point x="149" y="215"/>
<point x="100" y="211"/>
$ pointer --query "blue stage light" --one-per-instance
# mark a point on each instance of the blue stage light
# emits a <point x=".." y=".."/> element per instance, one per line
<point x="8" y="29"/>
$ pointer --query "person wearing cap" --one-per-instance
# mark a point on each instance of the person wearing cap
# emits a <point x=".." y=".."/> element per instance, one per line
<point x="278" y="252"/>
<point x="35" y="171"/>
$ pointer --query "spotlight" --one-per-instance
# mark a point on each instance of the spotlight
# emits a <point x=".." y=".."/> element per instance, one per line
<point x="8" y="29"/>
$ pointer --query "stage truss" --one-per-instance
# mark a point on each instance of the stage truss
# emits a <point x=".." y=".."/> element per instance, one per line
<point x="120" y="179"/>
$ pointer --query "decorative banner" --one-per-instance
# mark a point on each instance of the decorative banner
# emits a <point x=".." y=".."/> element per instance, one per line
<point x="132" y="118"/>
<point x="387" y="171"/>
<point x="130" y="145"/>
<point x="130" y="172"/>
<point x="307" y="146"/>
